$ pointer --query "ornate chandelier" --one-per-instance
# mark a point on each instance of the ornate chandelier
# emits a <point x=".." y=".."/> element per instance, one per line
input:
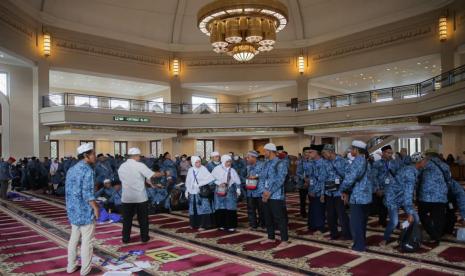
<point x="242" y="28"/>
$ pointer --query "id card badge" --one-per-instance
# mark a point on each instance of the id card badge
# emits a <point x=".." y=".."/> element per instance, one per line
<point x="311" y="182"/>
<point x="266" y="184"/>
<point x="337" y="181"/>
<point x="451" y="206"/>
<point x="387" y="181"/>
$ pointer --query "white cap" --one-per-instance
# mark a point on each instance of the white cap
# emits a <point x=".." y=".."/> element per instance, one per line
<point x="84" y="148"/>
<point x="359" y="144"/>
<point x="215" y="153"/>
<point x="134" y="151"/>
<point x="270" y="147"/>
<point x="106" y="180"/>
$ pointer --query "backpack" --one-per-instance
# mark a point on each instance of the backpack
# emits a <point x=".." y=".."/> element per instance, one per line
<point x="410" y="238"/>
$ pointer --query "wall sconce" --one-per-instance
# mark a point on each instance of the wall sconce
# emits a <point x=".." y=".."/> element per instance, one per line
<point x="47" y="44"/>
<point x="443" y="28"/>
<point x="176" y="67"/>
<point x="301" y="64"/>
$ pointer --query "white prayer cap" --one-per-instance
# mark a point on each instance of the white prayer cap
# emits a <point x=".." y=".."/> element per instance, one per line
<point x="134" y="151"/>
<point x="359" y="144"/>
<point x="215" y="153"/>
<point x="85" y="147"/>
<point x="106" y="181"/>
<point x="270" y="147"/>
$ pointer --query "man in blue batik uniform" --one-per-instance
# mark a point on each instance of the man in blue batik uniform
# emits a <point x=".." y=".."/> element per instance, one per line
<point x="303" y="168"/>
<point x="274" y="206"/>
<point x="106" y="191"/>
<point x="335" y="210"/>
<point x="384" y="171"/>
<point x="318" y="177"/>
<point x="433" y="186"/>
<point x="254" y="203"/>
<point x="357" y="183"/>
<point x="81" y="208"/>
<point x="5" y="176"/>
<point x="400" y="192"/>
<point x="456" y="202"/>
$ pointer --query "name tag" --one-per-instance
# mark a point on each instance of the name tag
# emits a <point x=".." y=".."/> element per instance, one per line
<point x="311" y="182"/>
<point x="337" y="181"/>
<point x="266" y="184"/>
<point x="451" y="206"/>
<point x="253" y="182"/>
<point x="387" y="181"/>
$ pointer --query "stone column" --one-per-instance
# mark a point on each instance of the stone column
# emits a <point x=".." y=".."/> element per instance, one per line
<point x="302" y="90"/>
<point x="40" y="89"/>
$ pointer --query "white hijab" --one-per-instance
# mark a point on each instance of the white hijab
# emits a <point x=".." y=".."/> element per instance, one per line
<point x="202" y="177"/>
<point x="220" y="173"/>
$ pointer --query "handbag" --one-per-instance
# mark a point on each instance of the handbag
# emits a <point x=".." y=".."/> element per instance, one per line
<point x="205" y="191"/>
<point x="410" y="238"/>
<point x="222" y="189"/>
<point x="251" y="183"/>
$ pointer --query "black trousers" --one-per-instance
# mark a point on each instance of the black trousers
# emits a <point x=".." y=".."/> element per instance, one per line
<point x="276" y="216"/>
<point x="379" y="209"/>
<point x="255" y="212"/>
<point x="226" y="219"/>
<point x="128" y="211"/>
<point x="433" y="218"/>
<point x="358" y="225"/>
<point x="303" y="194"/>
<point x="336" y="211"/>
<point x="451" y="219"/>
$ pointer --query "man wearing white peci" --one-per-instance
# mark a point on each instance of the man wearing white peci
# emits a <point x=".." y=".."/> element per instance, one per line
<point x="133" y="175"/>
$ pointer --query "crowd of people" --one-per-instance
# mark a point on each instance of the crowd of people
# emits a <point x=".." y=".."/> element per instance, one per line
<point x="341" y="191"/>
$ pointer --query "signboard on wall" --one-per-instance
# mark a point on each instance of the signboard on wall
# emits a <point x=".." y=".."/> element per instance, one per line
<point x="133" y="119"/>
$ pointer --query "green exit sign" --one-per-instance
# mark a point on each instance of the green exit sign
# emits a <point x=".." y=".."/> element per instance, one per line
<point x="131" y="119"/>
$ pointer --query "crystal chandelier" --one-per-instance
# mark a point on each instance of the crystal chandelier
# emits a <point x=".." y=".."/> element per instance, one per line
<point x="242" y="28"/>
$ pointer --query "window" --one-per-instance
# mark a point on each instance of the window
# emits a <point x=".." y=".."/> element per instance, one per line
<point x="121" y="148"/>
<point x="204" y="148"/>
<point x="156" y="105"/>
<point x="202" y="104"/>
<point x="55" y="99"/>
<point x="156" y="148"/>
<point x="411" y="144"/>
<point x="54" y="149"/>
<point x="119" y="104"/>
<point x="4" y="83"/>
<point x="84" y="101"/>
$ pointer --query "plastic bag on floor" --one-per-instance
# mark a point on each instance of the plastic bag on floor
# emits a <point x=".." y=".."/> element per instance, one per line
<point x="461" y="234"/>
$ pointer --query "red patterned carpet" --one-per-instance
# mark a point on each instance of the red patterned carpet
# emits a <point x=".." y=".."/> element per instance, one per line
<point x="308" y="252"/>
<point x="180" y="256"/>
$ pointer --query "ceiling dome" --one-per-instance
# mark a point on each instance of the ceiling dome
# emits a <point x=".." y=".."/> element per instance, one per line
<point x="172" y="25"/>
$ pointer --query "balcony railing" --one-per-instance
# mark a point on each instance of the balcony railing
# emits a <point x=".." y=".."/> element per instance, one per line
<point x="373" y="96"/>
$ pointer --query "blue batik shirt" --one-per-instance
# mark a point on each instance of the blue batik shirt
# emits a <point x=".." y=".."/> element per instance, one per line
<point x="272" y="178"/>
<point x="357" y="181"/>
<point x="336" y="171"/>
<point x="79" y="191"/>
<point x="400" y="193"/>
<point x="303" y="169"/>
<point x="318" y="177"/>
<point x="433" y="185"/>
<point x="384" y="172"/>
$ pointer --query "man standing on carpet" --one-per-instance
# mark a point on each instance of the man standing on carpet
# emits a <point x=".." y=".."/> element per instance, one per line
<point x="303" y="167"/>
<point x="357" y="183"/>
<point x="5" y="176"/>
<point x="133" y="175"/>
<point x="254" y="195"/>
<point x="82" y="208"/>
<point x="271" y="181"/>
<point x="318" y="177"/>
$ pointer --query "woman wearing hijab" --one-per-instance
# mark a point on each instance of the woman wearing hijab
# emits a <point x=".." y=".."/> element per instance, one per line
<point x="227" y="190"/>
<point x="200" y="208"/>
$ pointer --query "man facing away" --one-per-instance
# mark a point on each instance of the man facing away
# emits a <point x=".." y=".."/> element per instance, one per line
<point x="82" y="208"/>
<point x="133" y="175"/>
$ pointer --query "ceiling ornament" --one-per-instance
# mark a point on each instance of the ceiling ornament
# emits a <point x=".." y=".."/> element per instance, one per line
<point x="242" y="28"/>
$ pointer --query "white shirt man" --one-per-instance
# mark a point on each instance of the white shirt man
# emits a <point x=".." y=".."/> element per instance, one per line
<point x="133" y="175"/>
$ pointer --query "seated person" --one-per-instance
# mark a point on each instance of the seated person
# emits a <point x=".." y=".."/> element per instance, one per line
<point x="106" y="191"/>
<point x="114" y="203"/>
<point x="157" y="193"/>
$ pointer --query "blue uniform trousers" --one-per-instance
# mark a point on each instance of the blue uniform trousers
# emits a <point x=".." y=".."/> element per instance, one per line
<point x="358" y="225"/>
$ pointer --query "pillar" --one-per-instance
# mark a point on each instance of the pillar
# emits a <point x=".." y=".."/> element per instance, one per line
<point x="40" y="88"/>
<point x="453" y="140"/>
<point x="175" y="90"/>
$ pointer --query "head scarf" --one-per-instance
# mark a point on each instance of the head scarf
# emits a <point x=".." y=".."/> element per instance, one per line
<point x="224" y="159"/>
<point x="202" y="177"/>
